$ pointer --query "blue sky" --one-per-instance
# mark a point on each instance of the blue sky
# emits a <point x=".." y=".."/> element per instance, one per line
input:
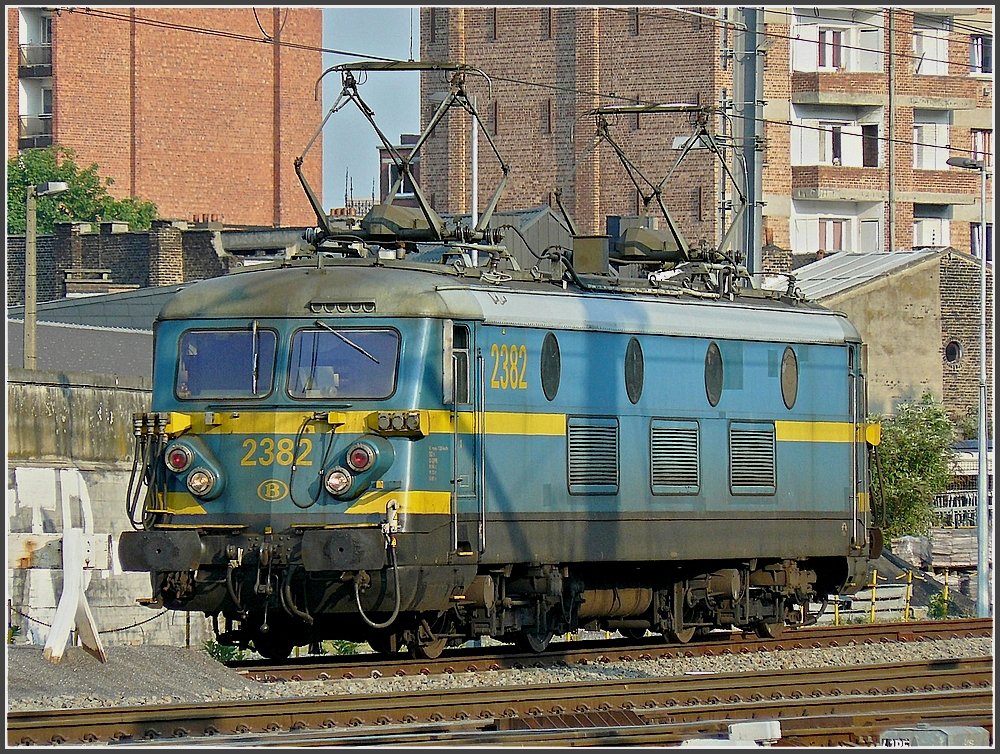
<point x="349" y="143"/>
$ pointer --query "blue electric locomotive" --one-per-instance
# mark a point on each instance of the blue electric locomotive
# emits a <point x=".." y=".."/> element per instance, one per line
<point x="406" y="453"/>
<point x="366" y="446"/>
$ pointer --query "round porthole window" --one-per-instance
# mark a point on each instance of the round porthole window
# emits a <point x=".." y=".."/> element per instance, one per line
<point x="550" y="366"/>
<point x="789" y="377"/>
<point x="953" y="351"/>
<point x="713" y="374"/>
<point x="633" y="370"/>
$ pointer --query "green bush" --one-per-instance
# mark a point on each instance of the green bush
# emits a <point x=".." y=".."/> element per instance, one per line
<point x="223" y="652"/>
<point x="915" y="459"/>
<point x="340" y="647"/>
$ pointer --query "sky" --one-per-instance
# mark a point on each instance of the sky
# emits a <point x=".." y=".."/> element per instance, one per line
<point x="350" y="145"/>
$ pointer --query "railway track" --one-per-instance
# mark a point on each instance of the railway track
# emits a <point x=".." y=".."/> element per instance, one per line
<point x="602" y="651"/>
<point x="835" y="705"/>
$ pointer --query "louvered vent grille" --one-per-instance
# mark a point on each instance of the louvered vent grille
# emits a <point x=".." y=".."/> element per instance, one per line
<point x="673" y="448"/>
<point x="751" y="458"/>
<point x="593" y="455"/>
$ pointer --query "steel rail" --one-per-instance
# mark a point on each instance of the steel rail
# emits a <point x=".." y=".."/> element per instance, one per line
<point x="671" y="696"/>
<point x="602" y="651"/>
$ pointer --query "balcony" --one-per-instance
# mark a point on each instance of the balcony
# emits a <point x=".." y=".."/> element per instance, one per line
<point x="34" y="61"/>
<point x="838" y="183"/>
<point x="34" y="131"/>
<point x="837" y="87"/>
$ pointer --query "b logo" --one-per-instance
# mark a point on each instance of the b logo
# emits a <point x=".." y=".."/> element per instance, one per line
<point x="272" y="490"/>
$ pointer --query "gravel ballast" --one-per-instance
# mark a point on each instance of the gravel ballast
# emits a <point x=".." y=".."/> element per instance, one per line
<point x="163" y="675"/>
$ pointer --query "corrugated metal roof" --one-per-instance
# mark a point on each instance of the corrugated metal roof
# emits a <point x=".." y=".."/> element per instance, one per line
<point x="845" y="270"/>
<point x="80" y="348"/>
<point x="129" y="310"/>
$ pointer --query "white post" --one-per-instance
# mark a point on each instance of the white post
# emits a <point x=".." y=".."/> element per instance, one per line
<point x="73" y="609"/>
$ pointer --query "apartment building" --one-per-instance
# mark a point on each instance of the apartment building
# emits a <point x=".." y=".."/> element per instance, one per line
<point x="862" y="109"/>
<point x="199" y="110"/>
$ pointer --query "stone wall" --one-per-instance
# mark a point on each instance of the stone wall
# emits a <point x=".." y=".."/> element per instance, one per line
<point x="169" y="253"/>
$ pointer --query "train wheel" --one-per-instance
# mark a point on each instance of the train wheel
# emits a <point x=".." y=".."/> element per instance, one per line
<point x="428" y="651"/>
<point x="682" y="636"/>
<point x="767" y="630"/>
<point x="532" y="642"/>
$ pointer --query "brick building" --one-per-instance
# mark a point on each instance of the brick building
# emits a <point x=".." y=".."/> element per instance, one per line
<point x="918" y="312"/>
<point x="862" y="109"/>
<point x="199" y="110"/>
<point x="82" y="259"/>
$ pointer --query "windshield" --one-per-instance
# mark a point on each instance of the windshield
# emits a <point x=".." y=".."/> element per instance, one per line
<point x="345" y="363"/>
<point x="226" y="363"/>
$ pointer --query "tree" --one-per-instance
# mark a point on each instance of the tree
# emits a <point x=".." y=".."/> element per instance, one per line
<point x="87" y="198"/>
<point x="915" y="464"/>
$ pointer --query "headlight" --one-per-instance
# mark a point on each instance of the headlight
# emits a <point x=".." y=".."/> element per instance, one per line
<point x="178" y="458"/>
<point x="338" y="481"/>
<point x="201" y="481"/>
<point x="360" y="457"/>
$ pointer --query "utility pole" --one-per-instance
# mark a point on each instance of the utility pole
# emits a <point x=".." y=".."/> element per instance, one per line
<point x="474" y="214"/>
<point x="30" y="281"/>
<point x="748" y="90"/>
<point x="30" y="353"/>
<point x="725" y="106"/>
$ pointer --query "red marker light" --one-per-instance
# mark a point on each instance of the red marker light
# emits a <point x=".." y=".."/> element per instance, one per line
<point x="360" y="457"/>
<point x="178" y="458"/>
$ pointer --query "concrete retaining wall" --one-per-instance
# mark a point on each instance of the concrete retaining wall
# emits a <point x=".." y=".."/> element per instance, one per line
<point x="69" y="461"/>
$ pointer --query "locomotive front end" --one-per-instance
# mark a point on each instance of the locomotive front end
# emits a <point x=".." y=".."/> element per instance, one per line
<point x="276" y="473"/>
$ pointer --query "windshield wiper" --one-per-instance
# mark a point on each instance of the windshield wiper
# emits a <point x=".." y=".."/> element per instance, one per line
<point x="347" y="340"/>
<point x="256" y="359"/>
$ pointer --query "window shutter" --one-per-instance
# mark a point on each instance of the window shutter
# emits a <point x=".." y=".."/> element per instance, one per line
<point x="852" y="144"/>
<point x="870" y="54"/>
<point x="804" y="47"/>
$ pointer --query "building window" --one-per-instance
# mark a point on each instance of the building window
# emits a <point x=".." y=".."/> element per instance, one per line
<point x="981" y="52"/>
<point x="848" y="39"/>
<point x="930" y="139"/>
<point x="45" y="101"/>
<point x="835" y="135"/>
<point x="406" y="189"/>
<point x="831" y="49"/>
<point x="953" y="351"/>
<point x="869" y="146"/>
<point x="633" y="22"/>
<point x="493" y="23"/>
<point x="547" y="23"/>
<point x="45" y="30"/>
<point x="831" y="144"/>
<point x="931" y="225"/>
<point x="547" y="116"/>
<point x="930" y="51"/>
<point x="982" y="145"/>
<point x="831" y="234"/>
<point x="496" y="117"/>
<point x="432" y="23"/>
<point x="975" y="241"/>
